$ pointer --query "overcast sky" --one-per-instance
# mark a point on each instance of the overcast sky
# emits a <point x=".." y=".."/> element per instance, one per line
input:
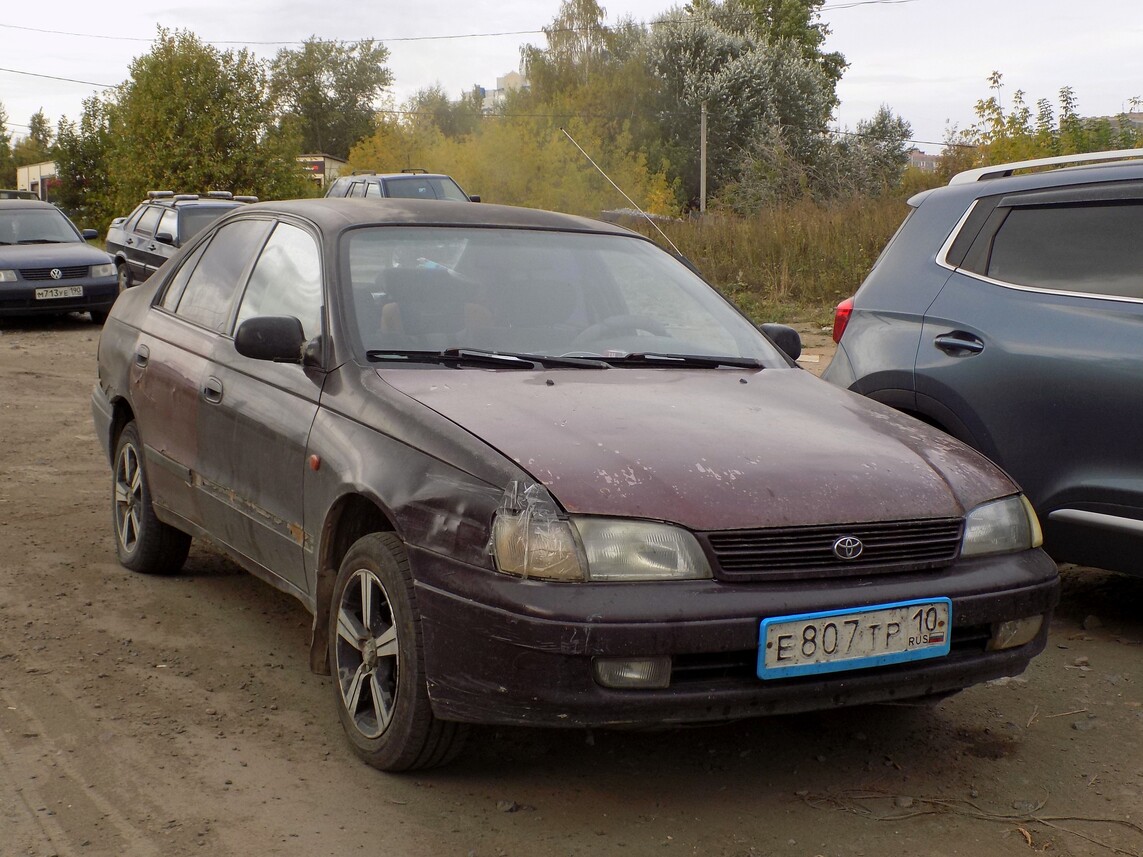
<point x="928" y="60"/>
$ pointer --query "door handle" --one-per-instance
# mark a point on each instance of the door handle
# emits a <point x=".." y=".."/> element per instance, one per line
<point x="151" y="247"/>
<point x="130" y="241"/>
<point x="959" y="344"/>
<point x="212" y="390"/>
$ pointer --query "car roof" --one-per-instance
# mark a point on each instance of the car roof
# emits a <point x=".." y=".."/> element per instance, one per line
<point x="336" y="213"/>
<point x="26" y="204"/>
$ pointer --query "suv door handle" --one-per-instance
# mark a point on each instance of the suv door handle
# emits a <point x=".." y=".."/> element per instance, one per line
<point x="212" y="390"/>
<point x="959" y="344"/>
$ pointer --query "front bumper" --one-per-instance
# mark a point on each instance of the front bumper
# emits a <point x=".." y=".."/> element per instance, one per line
<point x="19" y="298"/>
<point x="507" y="651"/>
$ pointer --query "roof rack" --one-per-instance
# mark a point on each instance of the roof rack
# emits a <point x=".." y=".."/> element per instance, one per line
<point x="218" y="194"/>
<point x="1002" y="170"/>
<point x="160" y="194"/>
<point x="182" y="196"/>
<point x="414" y="170"/>
<point x="245" y="199"/>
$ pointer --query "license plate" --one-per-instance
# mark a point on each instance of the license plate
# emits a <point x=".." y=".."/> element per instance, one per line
<point x="59" y="292"/>
<point x="854" y="639"/>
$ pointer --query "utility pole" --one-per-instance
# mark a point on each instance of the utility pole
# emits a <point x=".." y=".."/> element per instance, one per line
<point x="702" y="161"/>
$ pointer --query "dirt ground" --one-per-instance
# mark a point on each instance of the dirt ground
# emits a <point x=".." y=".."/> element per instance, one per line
<point x="151" y="716"/>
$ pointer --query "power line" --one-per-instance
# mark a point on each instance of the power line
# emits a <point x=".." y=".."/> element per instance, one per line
<point x="453" y="36"/>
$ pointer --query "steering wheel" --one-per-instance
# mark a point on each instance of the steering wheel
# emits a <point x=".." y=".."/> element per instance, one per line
<point x="619" y="324"/>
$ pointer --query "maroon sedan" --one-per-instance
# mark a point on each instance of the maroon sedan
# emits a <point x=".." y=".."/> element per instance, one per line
<point x="527" y="468"/>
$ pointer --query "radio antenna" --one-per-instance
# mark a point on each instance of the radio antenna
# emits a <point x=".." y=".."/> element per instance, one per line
<point x="634" y="205"/>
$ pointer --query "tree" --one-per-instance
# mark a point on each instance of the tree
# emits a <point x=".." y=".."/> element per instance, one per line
<point x="7" y="165"/>
<point x="36" y="147"/>
<point x="330" y="91"/>
<point x="81" y="153"/>
<point x="754" y="90"/>
<point x="191" y="117"/>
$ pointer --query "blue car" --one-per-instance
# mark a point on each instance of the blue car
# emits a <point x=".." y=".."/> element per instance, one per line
<point x="47" y="266"/>
<point x="1007" y="311"/>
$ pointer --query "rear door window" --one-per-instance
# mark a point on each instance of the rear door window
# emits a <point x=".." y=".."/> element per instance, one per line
<point x="209" y="295"/>
<point x="1091" y="249"/>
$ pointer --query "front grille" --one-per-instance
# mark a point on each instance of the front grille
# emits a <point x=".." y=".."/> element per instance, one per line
<point x="72" y="272"/>
<point x="808" y="552"/>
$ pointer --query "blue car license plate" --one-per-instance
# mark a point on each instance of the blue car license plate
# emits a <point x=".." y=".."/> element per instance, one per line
<point x="854" y="639"/>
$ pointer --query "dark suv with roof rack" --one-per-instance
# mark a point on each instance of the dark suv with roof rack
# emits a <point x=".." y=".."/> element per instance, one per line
<point x="160" y="225"/>
<point x="407" y="184"/>
<point x="1007" y="311"/>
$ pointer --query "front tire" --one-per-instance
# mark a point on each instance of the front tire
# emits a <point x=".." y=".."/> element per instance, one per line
<point x="142" y="542"/>
<point x="377" y="655"/>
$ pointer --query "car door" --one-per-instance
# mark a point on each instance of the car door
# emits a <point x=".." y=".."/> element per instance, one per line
<point x="257" y="414"/>
<point x="1034" y="344"/>
<point x="140" y="237"/>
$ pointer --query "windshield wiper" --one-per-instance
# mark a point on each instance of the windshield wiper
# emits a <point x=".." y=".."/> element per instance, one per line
<point x="478" y="357"/>
<point x="41" y="241"/>
<point x="685" y="361"/>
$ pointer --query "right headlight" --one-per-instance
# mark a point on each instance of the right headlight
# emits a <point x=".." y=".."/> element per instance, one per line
<point x="531" y="538"/>
<point x="1001" y="526"/>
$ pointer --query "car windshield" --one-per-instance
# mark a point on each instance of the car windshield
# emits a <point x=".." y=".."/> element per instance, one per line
<point x="424" y="187"/>
<point x="422" y="291"/>
<point x="35" y="226"/>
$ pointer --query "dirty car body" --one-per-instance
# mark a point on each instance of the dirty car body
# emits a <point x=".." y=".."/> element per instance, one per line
<point x="526" y="468"/>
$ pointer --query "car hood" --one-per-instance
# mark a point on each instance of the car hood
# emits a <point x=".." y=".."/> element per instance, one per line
<point x="51" y="255"/>
<point x="710" y="449"/>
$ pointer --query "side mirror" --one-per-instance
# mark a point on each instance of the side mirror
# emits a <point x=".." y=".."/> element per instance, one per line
<point x="271" y="337"/>
<point x="785" y="337"/>
<point x="474" y="197"/>
<point x="165" y="238"/>
<point x="89" y="234"/>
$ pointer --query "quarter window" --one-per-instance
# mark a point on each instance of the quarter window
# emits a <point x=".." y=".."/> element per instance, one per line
<point x="1093" y="249"/>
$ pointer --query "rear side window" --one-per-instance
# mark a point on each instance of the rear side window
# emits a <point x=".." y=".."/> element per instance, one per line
<point x="220" y="272"/>
<point x="1093" y="249"/>
<point x="150" y="219"/>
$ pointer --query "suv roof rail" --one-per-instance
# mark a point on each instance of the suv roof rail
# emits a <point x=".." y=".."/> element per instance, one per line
<point x="1001" y="170"/>
<point x="364" y="173"/>
<point x="160" y="194"/>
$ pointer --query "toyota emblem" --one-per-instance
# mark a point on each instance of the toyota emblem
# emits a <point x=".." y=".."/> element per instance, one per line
<point x="848" y="547"/>
<point x="56" y="273"/>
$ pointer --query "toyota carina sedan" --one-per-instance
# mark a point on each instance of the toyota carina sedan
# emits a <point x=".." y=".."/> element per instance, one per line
<point x="527" y="468"/>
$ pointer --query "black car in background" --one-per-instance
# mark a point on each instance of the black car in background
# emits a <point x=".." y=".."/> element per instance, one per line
<point x="47" y="266"/>
<point x="149" y="235"/>
<point x="1008" y="311"/>
<point x="408" y="184"/>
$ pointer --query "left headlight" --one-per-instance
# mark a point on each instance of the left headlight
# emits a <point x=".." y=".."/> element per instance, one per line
<point x="107" y="270"/>
<point x="7" y="275"/>
<point x="1001" y="526"/>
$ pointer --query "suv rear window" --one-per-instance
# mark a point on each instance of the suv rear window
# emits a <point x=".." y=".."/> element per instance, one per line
<point x="1093" y="249"/>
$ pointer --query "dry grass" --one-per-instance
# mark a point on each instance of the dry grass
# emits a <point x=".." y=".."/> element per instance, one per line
<point x="792" y="263"/>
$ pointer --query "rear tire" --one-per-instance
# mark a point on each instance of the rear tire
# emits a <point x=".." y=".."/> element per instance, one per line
<point x="124" y="274"/>
<point x="377" y="661"/>
<point x="142" y="542"/>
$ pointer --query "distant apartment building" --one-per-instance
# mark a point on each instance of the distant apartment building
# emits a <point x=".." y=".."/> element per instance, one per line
<point x="923" y="161"/>
<point x="511" y="82"/>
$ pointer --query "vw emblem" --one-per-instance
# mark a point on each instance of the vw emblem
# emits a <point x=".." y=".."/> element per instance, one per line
<point x="848" y="547"/>
<point x="56" y="273"/>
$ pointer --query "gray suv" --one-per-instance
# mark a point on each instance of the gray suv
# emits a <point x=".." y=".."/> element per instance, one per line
<point x="1008" y="311"/>
<point x="407" y="184"/>
<point x="143" y="240"/>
